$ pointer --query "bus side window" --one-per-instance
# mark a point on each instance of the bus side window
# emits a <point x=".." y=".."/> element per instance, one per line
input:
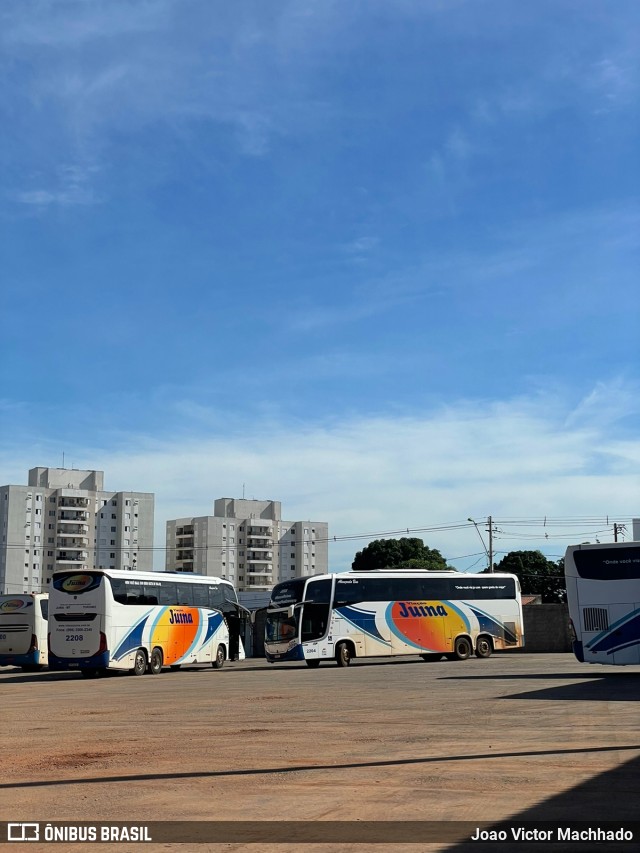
<point x="151" y="594"/>
<point x="119" y="590"/>
<point x="200" y="596"/>
<point x="185" y="594"/>
<point x="216" y="599"/>
<point x="168" y="594"/>
<point x="44" y="608"/>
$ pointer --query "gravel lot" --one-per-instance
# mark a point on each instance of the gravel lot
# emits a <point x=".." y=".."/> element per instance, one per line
<point x="517" y="736"/>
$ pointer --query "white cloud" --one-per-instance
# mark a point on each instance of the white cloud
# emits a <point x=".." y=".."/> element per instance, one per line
<point x="518" y="458"/>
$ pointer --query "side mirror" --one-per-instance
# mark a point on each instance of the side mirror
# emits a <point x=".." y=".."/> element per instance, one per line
<point x="291" y="611"/>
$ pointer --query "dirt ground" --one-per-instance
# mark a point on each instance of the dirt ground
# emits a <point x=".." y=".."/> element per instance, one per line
<point x="521" y="737"/>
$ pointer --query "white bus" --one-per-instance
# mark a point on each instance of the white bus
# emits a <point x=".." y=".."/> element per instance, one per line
<point x="23" y="630"/>
<point x="393" y="612"/>
<point x="603" y="593"/>
<point x="141" y="621"/>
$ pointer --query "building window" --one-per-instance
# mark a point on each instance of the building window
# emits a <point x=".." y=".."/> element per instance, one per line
<point x="112" y="555"/>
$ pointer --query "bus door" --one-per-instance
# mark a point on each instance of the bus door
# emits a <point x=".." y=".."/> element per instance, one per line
<point x="359" y="613"/>
<point x="316" y="611"/>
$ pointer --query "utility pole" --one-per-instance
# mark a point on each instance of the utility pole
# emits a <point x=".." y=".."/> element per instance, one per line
<point x="490" y="523"/>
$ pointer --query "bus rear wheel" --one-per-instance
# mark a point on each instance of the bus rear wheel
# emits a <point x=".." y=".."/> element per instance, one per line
<point x="343" y="654"/>
<point x="139" y="663"/>
<point x="89" y="673"/>
<point x="313" y="664"/>
<point x="463" y="648"/>
<point x="218" y="661"/>
<point x="155" y="661"/>
<point x="483" y="647"/>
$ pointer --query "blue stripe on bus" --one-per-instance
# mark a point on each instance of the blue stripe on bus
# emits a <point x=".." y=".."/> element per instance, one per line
<point x="133" y="639"/>
<point x="363" y="620"/>
<point x="622" y="634"/>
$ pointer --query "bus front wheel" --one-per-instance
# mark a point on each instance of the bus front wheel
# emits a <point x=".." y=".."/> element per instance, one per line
<point x="155" y="662"/>
<point x="139" y="663"/>
<point x="218" y="661"/>
<point x="462" y="648"/>
<point x="343" y="654"/>
<point x="483" y="647"/>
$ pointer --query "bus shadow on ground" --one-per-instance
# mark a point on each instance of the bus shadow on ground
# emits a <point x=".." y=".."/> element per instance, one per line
<point x="607" y="687"/>
<point x="609" y="798"/>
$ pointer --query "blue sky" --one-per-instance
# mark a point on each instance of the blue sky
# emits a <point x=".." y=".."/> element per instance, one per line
<point x="378" y="261"/>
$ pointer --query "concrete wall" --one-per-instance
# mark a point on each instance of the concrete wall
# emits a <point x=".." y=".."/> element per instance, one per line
<point x="546" y="628"/>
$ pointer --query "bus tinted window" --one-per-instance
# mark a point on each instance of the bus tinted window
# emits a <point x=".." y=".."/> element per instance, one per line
<point x="229" y="593"/>
<point x="185" y="594"/>
<point x="352" y="590"/>
<point x="118" y="589"/>
<point x="168" y="594"/>
<point x="607" y="563"/>
<point x="216" y="597"/>
<point x="200" y="595"/>
<point x="289" y="592"/>
<point x="151" y="593"/>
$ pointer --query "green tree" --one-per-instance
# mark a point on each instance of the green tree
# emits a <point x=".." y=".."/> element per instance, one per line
<point x="538" y="575"/>
<point x="398" y="553"/>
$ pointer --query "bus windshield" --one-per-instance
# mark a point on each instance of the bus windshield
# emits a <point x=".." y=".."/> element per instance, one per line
<point x="280" y="627"/>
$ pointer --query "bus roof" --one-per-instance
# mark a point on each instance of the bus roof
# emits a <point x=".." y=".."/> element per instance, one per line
<point x="188" y="577"/>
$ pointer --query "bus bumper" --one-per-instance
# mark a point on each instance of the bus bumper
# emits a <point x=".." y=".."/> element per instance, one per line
<point x="578" y="650"/>
<point x="100" y="661"/>
<point x="296" y="653"/>
<point x="27" y="659"/>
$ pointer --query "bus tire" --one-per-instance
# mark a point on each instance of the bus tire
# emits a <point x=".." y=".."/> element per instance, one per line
<point x="313" y="664"/>
<point x="344" y="653"/>
<point x="431" y="656"/>
<point x="484" y="647"/>
<point x="463" y="648"/>
<point x="218" y="661"/>
<point x="139" y="663"/>
<point x="89" y="673"/>
<point x="155" y="661"/>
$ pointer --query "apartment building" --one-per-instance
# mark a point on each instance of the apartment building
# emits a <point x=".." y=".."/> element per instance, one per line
<point x="63" y="519"/>
<point x="247" y="542"/>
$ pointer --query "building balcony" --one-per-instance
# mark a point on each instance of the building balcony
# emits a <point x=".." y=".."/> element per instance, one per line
<point x="259" y="542"/>
<point x="258" y="585"/>
<point x="72" y="529"/>
<point x="260" y="556"/>
<point x="185" y="543"/>
<point x="254" y="571"/>
<point x="181" y="556"/>
<point x="72" y="559"/>
<point x="258" y="529"/>
<point x="71" y="501"/>
<point x="72" y="516"/>
<point x="185" y="531"/>
<point x="69" y="543"/>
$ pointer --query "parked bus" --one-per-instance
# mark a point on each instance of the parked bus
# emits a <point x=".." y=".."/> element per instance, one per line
<point x="23" y="630"/>
<point x="603" y="593"/>
<point x="141" y="621"/>
<point x="393" y="612"/>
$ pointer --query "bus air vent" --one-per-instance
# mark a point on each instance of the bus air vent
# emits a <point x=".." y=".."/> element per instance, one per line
<point x="595" y="618"/>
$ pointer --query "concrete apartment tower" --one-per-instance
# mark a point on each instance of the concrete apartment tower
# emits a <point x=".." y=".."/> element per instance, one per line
<point x="65" y="520"/>
<point x="248" y="543"/>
